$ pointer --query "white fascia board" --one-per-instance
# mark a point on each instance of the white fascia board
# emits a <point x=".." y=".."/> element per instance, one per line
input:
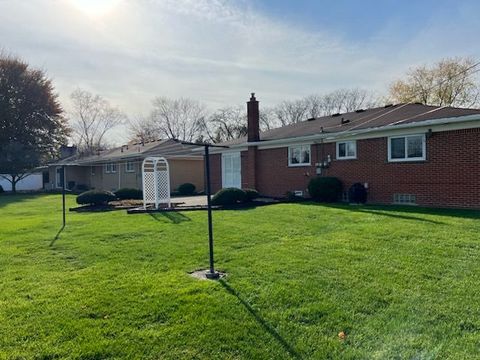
<point x="441" y="124"/>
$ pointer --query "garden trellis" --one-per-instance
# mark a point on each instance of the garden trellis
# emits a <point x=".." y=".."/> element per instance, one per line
<point x="156" y="181"/>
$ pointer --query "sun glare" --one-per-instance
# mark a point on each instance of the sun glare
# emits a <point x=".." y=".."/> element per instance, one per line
<point x="95" y="8"/>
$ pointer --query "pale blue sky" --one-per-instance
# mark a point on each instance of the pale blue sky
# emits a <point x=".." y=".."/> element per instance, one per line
<point x="219" y="51"/>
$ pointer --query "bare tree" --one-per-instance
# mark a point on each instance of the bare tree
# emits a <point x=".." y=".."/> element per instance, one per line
<point x="226" y="124"/>
<point x="338" y="101"/>
<point x="178" y="118"/>
<point x="142" y="129"/>
<point x="450" y="82"/>
<point x="292" y="111"/>
<point x="92" y="118"/>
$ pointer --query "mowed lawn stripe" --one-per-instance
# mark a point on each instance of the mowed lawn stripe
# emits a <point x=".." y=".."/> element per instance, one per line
<point x="401" y="282"/>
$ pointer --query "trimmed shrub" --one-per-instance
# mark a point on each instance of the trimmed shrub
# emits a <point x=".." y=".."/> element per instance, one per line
<point x="94" y="197"/>
<point x="129" y="194"/>
<point x="325" y="189"/>
<point x="357" y="194"/>
<point x="186" y="189"/>
<point x="228" y="196"/>
<point x="251" y="194"/>
<point x="1" y="189"/>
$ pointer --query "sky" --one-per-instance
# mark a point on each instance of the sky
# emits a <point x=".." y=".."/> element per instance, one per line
<point x="218" y="51"/>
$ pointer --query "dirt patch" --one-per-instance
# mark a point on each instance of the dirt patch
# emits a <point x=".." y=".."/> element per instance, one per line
<point x="203" y="274"/>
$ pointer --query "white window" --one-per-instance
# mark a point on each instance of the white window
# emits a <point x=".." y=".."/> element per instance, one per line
<point x="405" y="199"/>
<point x="130" y="166"/>
<point x="110" y="168"/>
<point x="231" y="170"/>
<point x="299" y="155"/>
<point x="346" y="150"/>
<point x="407" y="148"/>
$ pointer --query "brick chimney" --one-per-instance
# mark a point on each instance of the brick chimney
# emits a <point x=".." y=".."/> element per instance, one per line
<point x="253" y="119"/>
<point x="249" y="158"/>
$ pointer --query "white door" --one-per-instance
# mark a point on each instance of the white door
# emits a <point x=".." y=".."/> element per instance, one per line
<point x="231" y="170"/>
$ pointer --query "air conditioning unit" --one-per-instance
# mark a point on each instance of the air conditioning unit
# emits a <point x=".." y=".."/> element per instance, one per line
<point x="298" y="193"/>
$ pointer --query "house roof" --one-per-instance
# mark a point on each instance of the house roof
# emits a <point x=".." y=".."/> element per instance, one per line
<point x="167" y="148"/>
<point x="374" y="118"/>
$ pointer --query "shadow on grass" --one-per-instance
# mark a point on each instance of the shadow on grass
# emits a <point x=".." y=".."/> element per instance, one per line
<point x="403" y="212"/>
<point x="172" y="216"/>
<point x="9" y="198"/>
<point x="269" y="328"/>
<point x="57" y="236"/>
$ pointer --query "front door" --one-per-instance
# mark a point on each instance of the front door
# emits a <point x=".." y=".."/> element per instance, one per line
<point x="231" y="170"/>
<point x="59" y="177"/>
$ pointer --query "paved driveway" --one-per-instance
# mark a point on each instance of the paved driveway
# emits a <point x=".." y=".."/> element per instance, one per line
<point x="181" y="201"/>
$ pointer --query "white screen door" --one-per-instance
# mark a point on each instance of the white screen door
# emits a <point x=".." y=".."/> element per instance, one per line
<point x="231" y="170"/>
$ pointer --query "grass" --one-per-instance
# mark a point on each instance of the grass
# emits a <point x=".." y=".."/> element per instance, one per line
<point x="400" y="282"/>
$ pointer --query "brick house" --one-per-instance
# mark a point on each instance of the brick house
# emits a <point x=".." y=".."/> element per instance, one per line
<point x="406" y="154"/>
<point x="121" y="167"/>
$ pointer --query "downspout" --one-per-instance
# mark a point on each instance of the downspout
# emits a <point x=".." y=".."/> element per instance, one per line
<point x="119" y="175"/>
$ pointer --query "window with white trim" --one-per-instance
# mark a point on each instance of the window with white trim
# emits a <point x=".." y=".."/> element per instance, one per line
<point x="299" y="155"/>
<point x="407" y="148"/>
<point x="405" y="199"/>
<point x="346" y="150"/>
<point x="130" y="166"/>
<point x="110" y="168"/>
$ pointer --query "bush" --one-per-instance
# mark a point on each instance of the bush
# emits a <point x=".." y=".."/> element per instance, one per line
<point x="228" y="196"/>
<point x="326" y="189"/>
<point x="129" y="194"/>
<point x="357" y="194"/>
<point x="1" y="189"/>
<point x="186" y="189"/>
<point x="94" y="197"/>
<point x="251" y="194"/>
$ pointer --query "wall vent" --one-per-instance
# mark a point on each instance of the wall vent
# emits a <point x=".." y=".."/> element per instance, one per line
<point x="405" y="199"/>
<point x="298" y="193"/>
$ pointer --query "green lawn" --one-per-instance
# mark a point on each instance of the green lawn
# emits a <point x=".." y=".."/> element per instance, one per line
<point x="400" y="282"/>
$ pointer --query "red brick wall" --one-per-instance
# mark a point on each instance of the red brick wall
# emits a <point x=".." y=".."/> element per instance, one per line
<point x="449" y="177"/>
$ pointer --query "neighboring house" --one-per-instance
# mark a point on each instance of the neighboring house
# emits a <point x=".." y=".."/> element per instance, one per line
<point x="31" y="182"/>
<point x="404" y="154"/>
<point x="122" y="167"/>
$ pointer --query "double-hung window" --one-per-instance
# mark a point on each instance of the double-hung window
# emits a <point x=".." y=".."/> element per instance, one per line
<point x="407" y="148"/>
<point x="299" y="155"/>
<point x="130" y="166"/>
<point x="110" y="168"/>
<point x="346" y="150"/>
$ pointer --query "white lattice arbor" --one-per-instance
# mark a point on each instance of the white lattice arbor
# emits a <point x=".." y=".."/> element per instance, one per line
<point x="156" y="181"/>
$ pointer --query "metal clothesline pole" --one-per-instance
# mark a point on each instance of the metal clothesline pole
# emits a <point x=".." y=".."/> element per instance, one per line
<point x="211" y="273"/>
<point x="63" y="194"/>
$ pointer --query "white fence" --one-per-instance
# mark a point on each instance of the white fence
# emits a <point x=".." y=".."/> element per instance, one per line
<point x="31" y="182"/>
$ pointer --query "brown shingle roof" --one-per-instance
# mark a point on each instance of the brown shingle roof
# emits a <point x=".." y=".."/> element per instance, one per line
<point x="362" y="119"/>
<point x="167" y="148"/>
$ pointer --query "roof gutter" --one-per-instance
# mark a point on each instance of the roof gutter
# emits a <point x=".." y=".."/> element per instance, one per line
<point x="347" y="133"/>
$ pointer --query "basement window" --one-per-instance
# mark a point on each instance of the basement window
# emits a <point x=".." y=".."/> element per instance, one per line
<point x="299" y="155"/>
<point x="346" y="150"/>
<point x="407" y="148"/>
<point x="405" y="199"/>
